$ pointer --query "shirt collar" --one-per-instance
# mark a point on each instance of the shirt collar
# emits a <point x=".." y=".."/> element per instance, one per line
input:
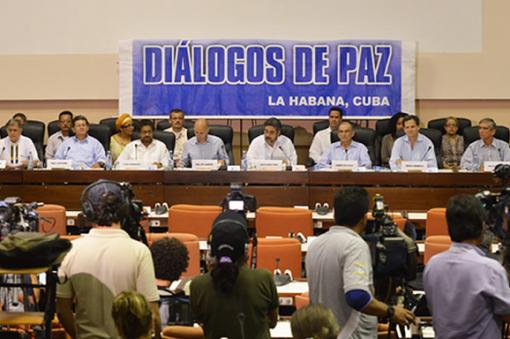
<point x="419" y="139"/>
<point x="462" y="246"/>
<point x="337" y="228"/>
<point x="207" y="140"/>
<point x="84" y="141"/>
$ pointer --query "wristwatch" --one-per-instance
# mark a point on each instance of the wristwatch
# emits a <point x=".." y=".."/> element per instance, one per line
<point x="390" y="312"/>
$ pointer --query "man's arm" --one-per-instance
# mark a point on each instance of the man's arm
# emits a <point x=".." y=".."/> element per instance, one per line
<point x="395" y="159"/>
<point x="156" y="321"/>
<point x="66" y="316"/>
<point x="466" y="162"/>
<point x="401" y="316"/>
<point x="273" y="317"/>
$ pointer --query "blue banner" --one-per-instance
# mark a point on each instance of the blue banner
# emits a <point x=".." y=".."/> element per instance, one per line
<point x="261" y="78"/>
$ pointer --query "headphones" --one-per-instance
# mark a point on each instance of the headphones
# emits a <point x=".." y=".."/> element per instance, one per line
<point x="321" y="209"/>
<point x="88" y="207"/>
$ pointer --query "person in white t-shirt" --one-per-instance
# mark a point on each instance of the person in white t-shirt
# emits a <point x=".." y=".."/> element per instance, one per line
<point x="65" y="120"/>
<point x="322" y="139"/>
<point x="15" y="148"/>
<point x="176" y="119"/>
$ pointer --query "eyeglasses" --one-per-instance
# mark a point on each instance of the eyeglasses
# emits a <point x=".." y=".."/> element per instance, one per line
<point x="126" y="126"/>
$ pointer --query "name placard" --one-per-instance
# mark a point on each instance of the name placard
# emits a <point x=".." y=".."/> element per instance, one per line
<point x="59" y="164"/>
<point x="490" y="166"/>
<point x="204" y="165"/>
<point x="130" y="165"/>
<point x="344" y="165"/>
<point x="3" y="164"/>
<point x="414" y="166"/>
<point x="267" y="165"/>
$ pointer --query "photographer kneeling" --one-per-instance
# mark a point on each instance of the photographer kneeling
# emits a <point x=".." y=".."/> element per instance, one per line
<point x="467" y="292"/>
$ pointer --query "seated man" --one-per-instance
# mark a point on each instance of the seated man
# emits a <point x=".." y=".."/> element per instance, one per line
<point x="16" y="148"/>
<point x="146" y="149"/>
<point x="487" y="148"/>
<point x="65" y="119"/>
<point x="21" y="117"/>
<point x="345" y="149"/>
<point x="322" y="139"/>
<point x="204" y="146"/>
<point x="272" y="145"/>
<point x="84" y="150"/>
<point x="181" y="134"/>
<point x="467" y="292"/>
<point x="413" y="146"/>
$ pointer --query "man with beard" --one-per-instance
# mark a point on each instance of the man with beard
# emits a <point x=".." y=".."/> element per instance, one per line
<point x="272" y="145"/>
<point x="147" y="150"/>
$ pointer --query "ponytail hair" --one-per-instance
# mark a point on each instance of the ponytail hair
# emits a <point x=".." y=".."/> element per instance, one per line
<point x="225" y="271"/>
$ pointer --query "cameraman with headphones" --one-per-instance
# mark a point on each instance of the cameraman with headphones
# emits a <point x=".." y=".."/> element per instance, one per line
<point x="102" y="264"/>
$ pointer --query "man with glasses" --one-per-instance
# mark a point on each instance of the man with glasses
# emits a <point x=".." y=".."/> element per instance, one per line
<point x="487" y="148"/>
<point x="65" y="119"/>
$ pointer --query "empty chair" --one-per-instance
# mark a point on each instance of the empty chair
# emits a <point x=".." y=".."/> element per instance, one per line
<point x="435" y="244"/>
<point x="194" y="219"/>
<point x="255" y="131"/>
<point x="471" y="134"/>
<point x="35" y="131"/>
<point x="102" y="133"/>
<point x="182" y="332"/>
<point x="281" y="221"/>
<point x="436" y="222"/>
<point x="52" y="219"/>
<point x="439" y="124"/>
<point x="191" y="242"/>
<point x="281" y="253"/>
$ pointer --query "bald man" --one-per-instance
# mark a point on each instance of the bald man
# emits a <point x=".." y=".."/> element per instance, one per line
<point x="204" y="146"/>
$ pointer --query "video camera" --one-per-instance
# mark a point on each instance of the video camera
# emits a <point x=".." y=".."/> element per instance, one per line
<point x="238" y="201"/>
<point x="131" y="223"/>
<point x="16" y="216"/>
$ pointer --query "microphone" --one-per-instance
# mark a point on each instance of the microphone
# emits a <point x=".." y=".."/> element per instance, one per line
<point x="346" y="154"/>
<point x="67" y="151"/>
<point x="2" y="152"/>
<point x="425" y="154"/>
<point x="136" y="151"/>
<point x="289" y="162"/>
<point x="240" y="318"/>
<point x="499" y="154"/>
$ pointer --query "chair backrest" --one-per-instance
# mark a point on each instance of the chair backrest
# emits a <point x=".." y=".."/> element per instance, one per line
<point x="191" y="242"/>
<point x="436" y="222"/>
<point x="53" y="127"/>
<point x="182" y="332"/>
<point x="52" y="219"/>
<point x="282" y="253"/>
<point x="280" y="221"/>
<point x="255" y="131"/>
<point x="110" y="122"/>
<point x="439" y="124"/>
<point x="382" y="127"/>
<point x="164" y="124"/>
<point x="167" y="138"/>
<point x="194" y="219"/>
<point x="320" y="125"/>
<point x="471" y="134"/>
<point x="225" y="133"/>
<point x="102" y="133"/>
<point x="434" y="245"/>
<point x="35" y="131"/>
<point x="301" y="300"/>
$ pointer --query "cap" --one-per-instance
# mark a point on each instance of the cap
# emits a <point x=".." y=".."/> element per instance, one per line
<point x="229" y="236"/>
<point x="121" y="120"/>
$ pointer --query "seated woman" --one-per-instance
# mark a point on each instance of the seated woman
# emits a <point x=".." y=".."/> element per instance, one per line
<point x="452" y="146"/>
<point x="396" y="125"/>
<point x="314" y="321"/>
<point x="132" y="316"/>
<point x="232" y="300"/>
<point x="118" y="141"/>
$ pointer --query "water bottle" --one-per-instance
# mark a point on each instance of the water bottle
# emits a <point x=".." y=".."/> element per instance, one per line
<point x="30" y="162"/>
<point x="170" y="165"/>
<point x="244" y="162"/>
<point x="108" y="165"/>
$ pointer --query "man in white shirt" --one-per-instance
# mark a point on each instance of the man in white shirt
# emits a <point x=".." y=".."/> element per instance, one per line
<point x="15" y="149"/>
<point x="181" y="134"/>
<point x="147" y="150"/>
<point x="271" y="145"/>
<point x="65" y="119"/>
<point x="322" y="139"/>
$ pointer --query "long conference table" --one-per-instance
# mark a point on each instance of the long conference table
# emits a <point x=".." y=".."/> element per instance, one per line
<point x="401" y="191"/>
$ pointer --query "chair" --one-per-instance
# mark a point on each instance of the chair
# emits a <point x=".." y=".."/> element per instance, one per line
<point x="164" y="124"/>
<point x="364" y="135"/>
<point x="35" y="131"/>
<point x="194" y="219"/>
<point x="301" y="300"/>
<point x="255" y="131"/>
<point x="436" y="222"/>
<point x="102" y="133"/>
<point x="191" y="242"/>
<point x="167" y="138"/>
<point x="53" y="127"/>
<point x="52" y="219"/>
<point x="281" y="253"/>
<point x="182" y="332"/>
<point x="280" y="221"/>
<point x="382" y="127"/>
<point x="439" y="124"/>
<point x="110" y="122"/>
<point x="436" y="137"/>
<point x="471" y="134"/>
<point x="225" y="133"/>
<point x="434" y="245"/>
<point x="320" y="125"/>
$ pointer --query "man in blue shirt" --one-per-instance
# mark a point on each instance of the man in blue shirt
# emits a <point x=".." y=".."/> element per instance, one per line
<point x="345" y="149"/>
<point x="413" y="146"/>
<point x="84" y="150"/>
<point x="204" y="146"/>
<point x="467" y="292"/>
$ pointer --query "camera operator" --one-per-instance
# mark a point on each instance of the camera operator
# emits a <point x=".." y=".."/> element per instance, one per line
<point x="102" y="264"/>
<point x="467" y="292"/>
<point x="339" y="270"/>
